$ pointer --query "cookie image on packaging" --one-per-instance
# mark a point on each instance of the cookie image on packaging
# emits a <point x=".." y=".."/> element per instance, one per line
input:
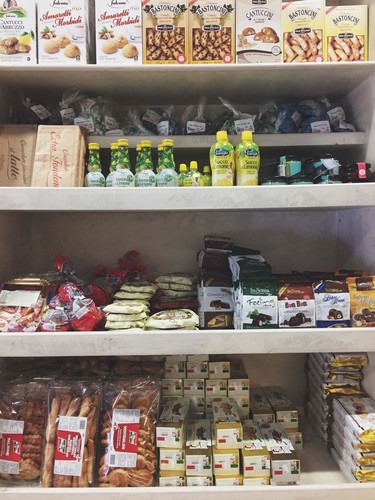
<point x="110" y="47"/>
<point x="130" y="51"/>
<point x="52" y="47"/>
<point x="63" y="41"/>
<point x="121" y="41"/>
<point x="72" y="50"/>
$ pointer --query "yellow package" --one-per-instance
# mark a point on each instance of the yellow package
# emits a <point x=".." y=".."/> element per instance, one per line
<point x="164" y="31"/>
<point x="303" y="31"/>
<point x="226" y="462"/>
<point x="229" y="481"/>
<point x="346" y="31"/>
<point x="362" y="301"/>
<point x="212" y="31"/>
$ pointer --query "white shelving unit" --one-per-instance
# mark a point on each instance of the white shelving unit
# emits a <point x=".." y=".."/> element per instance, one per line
<point x="295" y="227"/>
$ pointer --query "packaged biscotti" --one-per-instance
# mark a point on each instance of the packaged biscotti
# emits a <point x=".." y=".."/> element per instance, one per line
<point x="127" y="432"/>
<point x="23" y="413"/>
<point x="71" y="434"/>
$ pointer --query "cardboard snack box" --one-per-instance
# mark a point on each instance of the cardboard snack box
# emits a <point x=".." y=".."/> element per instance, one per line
<point x="17" y="150"/>
<point x="212" y="31"/>
<point x="226" y="462"/>
<point x="171" y="426"/>
<point x="171" y="459"/>
<point x="346" y="31"/>
<point x="255" y="456"/>
<point x="303" y="31"/>
<point x="286" y="413"/>
<point x="261" y="409"/>
<point x="199" y="448"/>
<point x="165" y="31"/>
<point x="229" y="481"/>
<point x="171" y="478"/>
<point x="258" y="31"/>
<point x="227" y="424"/>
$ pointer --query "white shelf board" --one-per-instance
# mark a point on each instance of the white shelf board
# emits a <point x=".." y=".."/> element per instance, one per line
<point x="169" y="84"/>
<point x="301" y="340"/>
<point x="187" y="199"/>
<point x="342" y="139"/>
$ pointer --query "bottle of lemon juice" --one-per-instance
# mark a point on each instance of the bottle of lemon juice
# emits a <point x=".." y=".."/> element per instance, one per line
<point x="222" y="160"/>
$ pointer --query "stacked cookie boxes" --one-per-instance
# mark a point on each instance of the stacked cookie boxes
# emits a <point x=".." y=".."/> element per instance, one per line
<point x="277" y="419"/>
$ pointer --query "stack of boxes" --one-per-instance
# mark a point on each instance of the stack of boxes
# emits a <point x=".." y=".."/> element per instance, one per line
<point x="331" y="375"/>
<point x="353" y="437"/>
<point x="205" y="382"/>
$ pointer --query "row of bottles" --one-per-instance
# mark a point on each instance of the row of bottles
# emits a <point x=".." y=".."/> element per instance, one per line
<point x="229" y="165"/>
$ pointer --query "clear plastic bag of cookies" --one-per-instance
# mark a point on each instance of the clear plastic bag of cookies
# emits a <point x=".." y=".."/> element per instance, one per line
<point x="127" y="432"/>
<point x="71" y="435"/>
<point x="23" y="413"/>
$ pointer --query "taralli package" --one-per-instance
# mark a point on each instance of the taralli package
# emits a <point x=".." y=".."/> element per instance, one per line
<point x="71" y="434"/>
<point x="346" y="31"/>
<point x="212" y="31"/>
<point x="362" y="301"/>
<point x="118" y="32"/>
<point x="303" y="31"/>
<point x="258" y="31"/>
<point x="171" y="320"/>
<point x="186" y="279"/>
<point x="165" y="32"/>
<point x="127" y="426"/>
<point x="64" y="31"/>
<point x="17" y="32"/>
<point x="23" y="414"/>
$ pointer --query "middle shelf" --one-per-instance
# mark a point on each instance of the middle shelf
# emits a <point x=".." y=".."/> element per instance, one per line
<point x="294" y="340"/>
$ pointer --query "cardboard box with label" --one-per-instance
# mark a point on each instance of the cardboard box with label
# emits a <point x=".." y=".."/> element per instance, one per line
<point x="227" y="424"/>
<point x="286" y="413"/>
<point x="199" y="481"/>
<point x="174" y="369"/>
<point x="260" y="407"/>
<point x="216" y="305"/>
<point x="171" y="459"/>
<point x="238" y="387"/>
<point x="172" y="387"/>
<point x="216" y="387"/>
<point x="196" y="369"/>
<point x="208" y="405"/>
<point x="226" y="462"/>
<point x="255" y="456"/>
<point x="165" y="31"/>
<point x="285" y="465"/>
<point x="243" y="405"/>
<point x="199" y="448"/>
<point x="118" y="32"/>
<point x="171" y="478"/>
<point x="17" y="150"/>
<point x="258" y="31"/>
<point x="219" y="369"/>
<point x="229" y="480"/>
<point x="171" y="426"/>
<point x="65" y="31"/>
<point x="256" y="481"/>
<point x="17" y="32"/>
<point x="346" y="31"/>
<point x="303" y="31"/>
<point x="194" y="387"/>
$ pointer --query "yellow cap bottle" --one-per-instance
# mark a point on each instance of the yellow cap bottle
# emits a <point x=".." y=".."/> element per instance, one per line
<point x="168" y="143"/>
<point x="183" y="173"/>
<point x="123" y="143"/>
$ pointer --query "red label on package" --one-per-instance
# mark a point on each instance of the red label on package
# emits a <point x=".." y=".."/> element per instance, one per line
<point x="11" y="437"/>
<point x="278" y="472"/>
<point x="70" y="443"/>
<point x="362" y="171"/>
<point x="124" y="438"/>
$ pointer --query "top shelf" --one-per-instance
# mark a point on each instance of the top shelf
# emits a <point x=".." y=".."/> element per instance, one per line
<point x="183" y="84"/>
<point x="176" y="199"/>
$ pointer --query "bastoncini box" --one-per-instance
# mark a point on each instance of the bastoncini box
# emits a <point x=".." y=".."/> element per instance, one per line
<point x="258" y="31"/>
<point x="118" y="32"/>
<point x="64" y="35"/>
<point x="346" y="31"/>
<point x="212" y="31"/>
<point x="303" y="31"/>
<point x="17" y="32"/>
<point x="165" y="31"/>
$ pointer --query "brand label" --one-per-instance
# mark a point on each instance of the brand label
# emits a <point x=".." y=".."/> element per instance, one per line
<point x="123" y="444"/>
<point x="70" y="443"/>
<point x="11" y="437"/>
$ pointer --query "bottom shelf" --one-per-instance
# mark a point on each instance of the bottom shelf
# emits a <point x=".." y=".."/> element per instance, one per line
<point x="320" y="477"/>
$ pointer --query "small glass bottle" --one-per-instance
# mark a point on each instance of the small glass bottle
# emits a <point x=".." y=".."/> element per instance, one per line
<point x="146" y="176"/>
<point x="123" y="177"/>
<point x="138" y="159"/>
<point x="112" y="164"/>
<point x="194" y="178"/>
<point x="94" y="176"/>
<point x="160" y="157"/>
<point x="182" y="175"/>
<point x="167" y="175"/>
<point x="207" y="177"/>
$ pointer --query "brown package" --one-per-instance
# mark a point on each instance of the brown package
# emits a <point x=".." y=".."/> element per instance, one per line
<point x="17" y="150"/>
<point x="127" y="427"/>
<point x="59" y="157"/>
<point x="69" y="453"/>
<point x="23" y="413"/>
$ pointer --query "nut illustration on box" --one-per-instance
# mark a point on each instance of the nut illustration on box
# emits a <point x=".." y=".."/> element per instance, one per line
<point x="165" y="32"/>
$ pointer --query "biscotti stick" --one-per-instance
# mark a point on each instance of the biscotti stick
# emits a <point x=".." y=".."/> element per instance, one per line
<point x="52" y="420"/>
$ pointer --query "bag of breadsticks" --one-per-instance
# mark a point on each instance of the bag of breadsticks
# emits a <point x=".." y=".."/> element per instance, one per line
<point x="23" y="413"/>
<point x="71" y="435"/>
<point x="127" y="430"/>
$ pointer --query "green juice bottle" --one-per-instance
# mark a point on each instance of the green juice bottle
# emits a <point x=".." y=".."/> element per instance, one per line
<point x="222" y="161"/>
<point x="207" y="177"/>
<point x="94" y="176"/>
<point x="138" y="159"/>
<point x="247" y="161"/>
<point x="194" y="178"/>
<point x="167" y="175"/>
<point x="123" y="177"/>
<point x="146" y="176"/>
<point x="112" y="165"/>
